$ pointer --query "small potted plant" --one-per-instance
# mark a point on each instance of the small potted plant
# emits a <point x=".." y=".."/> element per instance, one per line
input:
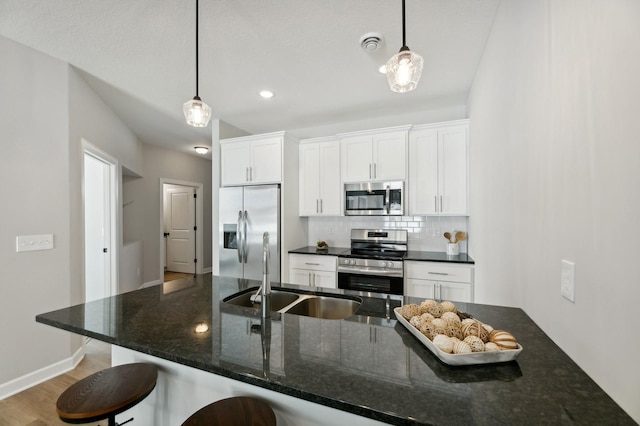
<point x="322" y="245"/>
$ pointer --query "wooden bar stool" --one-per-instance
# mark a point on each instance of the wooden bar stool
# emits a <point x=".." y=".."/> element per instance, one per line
<point x="236" y="411"/>
<point x="107" y="393"/>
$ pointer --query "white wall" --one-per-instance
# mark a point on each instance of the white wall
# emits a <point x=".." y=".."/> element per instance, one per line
<point x="143" y="214"/>
<point x="34" y="173"/>
<point x="554" y="158"/>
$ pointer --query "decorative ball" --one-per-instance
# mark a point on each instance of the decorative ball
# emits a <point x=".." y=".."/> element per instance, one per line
<point x="451" y="317"/>
<point x="503" y="339"/>
<point x="475" y="328"/>
<point x="491" y="347"/>
<point x="468" y="321"/>
<point x="409" y="310"/>
<point x="453" y="330"/>
<point x="461" y="347"/>
<point x="439" y="325"/>
<point x="427" y="317"/>
<point x="447" y="306"/>
<point x="476" y="343"/>
<point x="428" y="330"/>
<point x="426" y="304"/>
<point x="416" y="321"/>
<point x="443" y="343"/>
<point x="487" y="327"/>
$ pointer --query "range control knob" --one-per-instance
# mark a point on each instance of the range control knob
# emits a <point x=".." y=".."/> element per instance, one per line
<point x="354" y="262"/>
<point x="384" y="264"/>
<point x="390" y="265"/>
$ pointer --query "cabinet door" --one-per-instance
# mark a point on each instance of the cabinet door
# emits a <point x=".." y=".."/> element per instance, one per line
<point x="452" y="153"/>
<point x="266" y="161"/>
<point x="425" y="289"/>
<point x="460" y="292"/>
<point x="325" y="279"/>
<point x="356" y="158"/>
<point x="300" y="276"/>
<point x="423" y="172"/>
<point x="234" y="161"/>
<point x="390" y="156"/>
<point x="310" y="174"/>
<point x="329" y="178"/>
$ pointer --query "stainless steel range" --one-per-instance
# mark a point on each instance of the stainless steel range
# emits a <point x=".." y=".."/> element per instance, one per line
<point x="374" y="263"/>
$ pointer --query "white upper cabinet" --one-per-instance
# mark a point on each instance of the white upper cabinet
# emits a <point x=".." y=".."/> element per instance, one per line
<point x="376" y="155"/>
<point x="438" y="169"/>
<point x="320" y="177"/>
<point x="251" y="160"/>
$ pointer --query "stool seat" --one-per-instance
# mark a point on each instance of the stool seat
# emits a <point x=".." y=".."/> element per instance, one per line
<point x="236" y="411"/>
<point x="107" y="393"/>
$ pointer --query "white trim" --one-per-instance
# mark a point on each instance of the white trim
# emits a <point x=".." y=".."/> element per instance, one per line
<point x="42" y="375"/>
<point x="207" y="270"/>
<point x="116" y="212"/>
<point x="199" y="221"/>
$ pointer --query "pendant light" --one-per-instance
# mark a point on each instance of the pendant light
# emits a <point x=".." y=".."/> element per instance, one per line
<point x="196" y="112"/>
<point x="405" y="67"/>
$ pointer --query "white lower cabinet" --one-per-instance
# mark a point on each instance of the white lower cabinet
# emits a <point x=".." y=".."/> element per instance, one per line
<point x="439" y="280"/>
<point x="313" y="270"/>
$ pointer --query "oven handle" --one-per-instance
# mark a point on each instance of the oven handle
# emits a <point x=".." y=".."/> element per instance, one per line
<point x="371" y="271"/>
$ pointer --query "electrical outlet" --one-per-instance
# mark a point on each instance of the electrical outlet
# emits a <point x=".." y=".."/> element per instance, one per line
<point x="34" y="242"/>
<point x="567" y="280"/>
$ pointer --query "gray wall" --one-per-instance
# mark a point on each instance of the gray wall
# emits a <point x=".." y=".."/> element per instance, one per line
<point x="142" y="216"/>
<point x="554" y="175"/>
<point x="34" y="169"/>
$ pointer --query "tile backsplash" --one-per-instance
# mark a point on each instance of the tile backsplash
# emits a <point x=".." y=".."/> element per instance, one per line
<point x="424" y="232"/>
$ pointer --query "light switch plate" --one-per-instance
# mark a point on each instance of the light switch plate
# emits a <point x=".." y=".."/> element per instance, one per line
<point x="34" y="242"/>
<point x="567" y="280"/>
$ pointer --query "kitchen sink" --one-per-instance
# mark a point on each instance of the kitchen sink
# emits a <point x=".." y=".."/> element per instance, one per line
<point x="317" y="305"/>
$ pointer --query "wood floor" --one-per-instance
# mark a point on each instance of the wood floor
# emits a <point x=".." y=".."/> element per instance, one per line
<point x="37" y="406"/>
<point x="171" y="276"/>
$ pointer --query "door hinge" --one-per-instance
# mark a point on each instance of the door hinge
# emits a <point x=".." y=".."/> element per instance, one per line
<point x="195" y="260"/>
<point x="195" y="228"/>
<point x="105" y="250"/>
<point x="195" y="195"/>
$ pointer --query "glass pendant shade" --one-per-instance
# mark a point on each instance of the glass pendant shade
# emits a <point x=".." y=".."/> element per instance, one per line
<point x="404" y="70"/>
<point x="196" y="112"/>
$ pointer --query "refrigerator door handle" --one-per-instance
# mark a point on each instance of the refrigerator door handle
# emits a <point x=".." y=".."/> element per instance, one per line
<point x="244" y="236"/>
<point x="240" y="237"/>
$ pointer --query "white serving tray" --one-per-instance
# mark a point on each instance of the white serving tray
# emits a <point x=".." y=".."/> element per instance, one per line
<point x="459" y="359"/>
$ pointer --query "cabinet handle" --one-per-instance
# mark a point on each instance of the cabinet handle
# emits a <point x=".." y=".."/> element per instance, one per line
<point x="317" y="208"/>
<point x="314" y="279"/>
<point x="441" y="204"/>
<point x="246" y="174"/>
<point x="320" y="205"/>
<point x="369" y="170"/>
<point x="438" y="273"/>
<point x="435" y="203"/>
<point x="251" y="174"/>
<point x="309" y="263"/>
<point x="370" y="334"/>
<point x="375" y="170"/>
<point x="375" y="335"/>
<point x="309" y="278"/>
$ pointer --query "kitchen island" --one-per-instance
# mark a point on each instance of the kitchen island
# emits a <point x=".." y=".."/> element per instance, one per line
<point x="317" y="371"/>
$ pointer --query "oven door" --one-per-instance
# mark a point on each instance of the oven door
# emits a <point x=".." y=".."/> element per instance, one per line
<point x="374" y="283"/>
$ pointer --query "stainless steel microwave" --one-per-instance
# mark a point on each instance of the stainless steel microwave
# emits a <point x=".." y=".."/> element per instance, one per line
<point x="374" y="199"/>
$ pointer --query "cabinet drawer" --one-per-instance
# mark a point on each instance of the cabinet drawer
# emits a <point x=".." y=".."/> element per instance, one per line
<point x="313" y="262"/>
<point x="438" y="271"/>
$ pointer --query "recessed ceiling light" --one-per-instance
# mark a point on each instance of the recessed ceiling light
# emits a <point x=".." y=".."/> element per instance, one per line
<point x="267" y="94"/>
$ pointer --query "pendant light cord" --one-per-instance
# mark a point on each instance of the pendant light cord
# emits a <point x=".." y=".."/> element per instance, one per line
<point x="197" y="7"/>
<point x="404" y="42"/>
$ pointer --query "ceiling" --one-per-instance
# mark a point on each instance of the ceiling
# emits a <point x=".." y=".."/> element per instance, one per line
<point x="139" y="56"/>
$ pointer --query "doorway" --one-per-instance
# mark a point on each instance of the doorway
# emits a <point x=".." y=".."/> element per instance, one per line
<point x="99" y="180"/>
<point x="182" y="228"/>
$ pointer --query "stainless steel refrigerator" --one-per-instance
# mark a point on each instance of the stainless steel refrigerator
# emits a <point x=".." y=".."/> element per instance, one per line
<point x="246" y="213"/>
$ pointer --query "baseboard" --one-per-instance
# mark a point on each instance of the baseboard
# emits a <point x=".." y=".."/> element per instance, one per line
<point x="207" y="270"/>
<point x="42" y="375"/>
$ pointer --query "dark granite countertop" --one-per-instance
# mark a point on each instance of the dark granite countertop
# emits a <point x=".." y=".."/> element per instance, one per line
<point x="424" y="256"/>
<point x="332" y="251"/>
<point x="391" y="377"/>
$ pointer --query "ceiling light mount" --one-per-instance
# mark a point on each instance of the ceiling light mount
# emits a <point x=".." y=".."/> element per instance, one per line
<point x="196" y="112"/>
<point x="202" y="150"/>
<point x="405" y="67"/>
<point x="370" y="42"/>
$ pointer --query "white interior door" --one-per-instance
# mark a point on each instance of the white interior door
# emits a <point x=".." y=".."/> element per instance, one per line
<point x="180" y="221"/>
<point x="97" y="227"/>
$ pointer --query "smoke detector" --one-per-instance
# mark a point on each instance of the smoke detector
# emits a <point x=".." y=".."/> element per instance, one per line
<point x="370" y="42"/>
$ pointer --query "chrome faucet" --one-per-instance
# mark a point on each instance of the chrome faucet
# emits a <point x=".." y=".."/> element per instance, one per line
<point x="265" y="288"/>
